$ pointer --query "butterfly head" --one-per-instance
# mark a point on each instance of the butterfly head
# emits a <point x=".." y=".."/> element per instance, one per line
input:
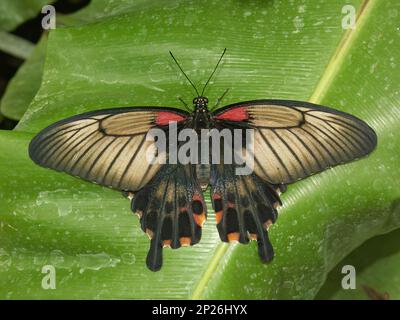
<point x="200" y="103"/>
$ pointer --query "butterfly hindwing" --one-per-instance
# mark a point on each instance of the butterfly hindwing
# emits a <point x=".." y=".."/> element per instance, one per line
<point x="294" y="140"/>
<point x="245" y="207"/>
<point x="106" y="146"/>
<point x="171" y="209"/>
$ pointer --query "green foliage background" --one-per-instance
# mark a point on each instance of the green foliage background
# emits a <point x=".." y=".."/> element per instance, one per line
<point x="113" y="54"/>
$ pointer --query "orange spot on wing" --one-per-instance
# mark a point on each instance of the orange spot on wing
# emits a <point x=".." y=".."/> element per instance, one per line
<point x="200" y="219"/>
<point x="167" y="243"/>
<point x="233" y="236"/>
<point x="218" y="216"/>
<point x="185" y="241"/>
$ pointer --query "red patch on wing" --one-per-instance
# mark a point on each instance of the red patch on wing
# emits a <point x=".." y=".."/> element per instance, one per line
<point x="164" y="117"/>
<point x="216" y="196"/>
<point x="196" y="196"/>
<point x="235" y="114"/>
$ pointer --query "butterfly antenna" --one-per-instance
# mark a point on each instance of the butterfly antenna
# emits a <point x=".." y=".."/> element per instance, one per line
<point x="177" y="63"/>
<point x="215" y="69"/>
<point x="185" y="105"/>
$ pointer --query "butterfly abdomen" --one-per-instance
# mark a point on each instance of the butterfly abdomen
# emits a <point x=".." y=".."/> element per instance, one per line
<point x="203" y="175"/>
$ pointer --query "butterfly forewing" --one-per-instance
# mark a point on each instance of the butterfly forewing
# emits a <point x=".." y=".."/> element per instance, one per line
<point x="107" y="147"/>
<point x="293" y="140"/>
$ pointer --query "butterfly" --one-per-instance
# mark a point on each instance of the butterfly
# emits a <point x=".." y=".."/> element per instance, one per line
<point x="292" y="140"/>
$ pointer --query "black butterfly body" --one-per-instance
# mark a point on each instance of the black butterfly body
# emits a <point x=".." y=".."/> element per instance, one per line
<point x="293" y="140"/>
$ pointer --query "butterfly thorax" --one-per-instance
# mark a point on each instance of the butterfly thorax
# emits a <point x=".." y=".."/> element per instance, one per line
<point x="201" y="114"/>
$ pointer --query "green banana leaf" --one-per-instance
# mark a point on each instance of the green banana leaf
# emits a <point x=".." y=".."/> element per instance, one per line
<point x="13" y="13"/>
<point x="275" y="50"/>
<point x="377" y="265"/>
<point x="25" y="84"/>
